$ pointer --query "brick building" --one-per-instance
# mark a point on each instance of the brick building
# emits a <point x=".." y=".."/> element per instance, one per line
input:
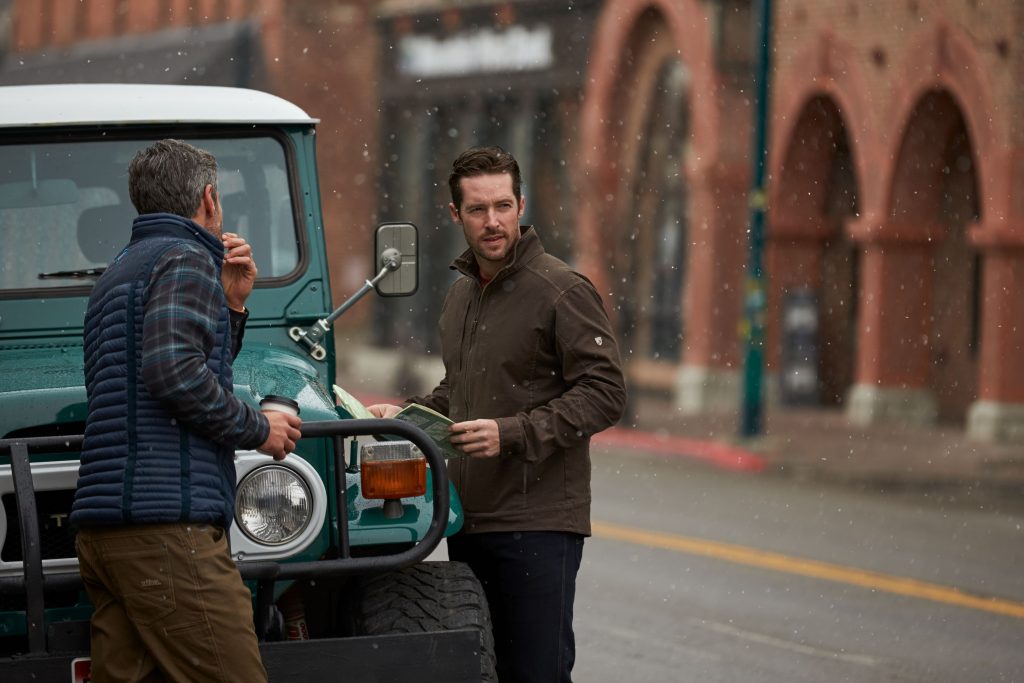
<point x="896" y="168"/>
<point x="896" y="196"/>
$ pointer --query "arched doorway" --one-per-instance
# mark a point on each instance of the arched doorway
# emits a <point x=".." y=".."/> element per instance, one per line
<point x="936" y="186"/>
<point x="631" y="62"/>
<point x="647" y="225"/>
<point x="808" y="245"/>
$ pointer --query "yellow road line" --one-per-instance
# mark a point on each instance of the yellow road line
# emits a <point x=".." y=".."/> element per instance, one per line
<point x="811" y="568"/>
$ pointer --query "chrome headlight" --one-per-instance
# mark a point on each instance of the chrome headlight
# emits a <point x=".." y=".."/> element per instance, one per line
<point x="273" y="505"/>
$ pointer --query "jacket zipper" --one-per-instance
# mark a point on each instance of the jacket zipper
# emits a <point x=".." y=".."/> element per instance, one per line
<point x="463" y="464"/>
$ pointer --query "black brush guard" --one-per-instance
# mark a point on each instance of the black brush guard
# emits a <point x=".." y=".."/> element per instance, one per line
<point x="449" y="656"/>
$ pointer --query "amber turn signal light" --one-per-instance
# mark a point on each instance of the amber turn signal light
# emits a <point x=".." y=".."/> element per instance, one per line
<point x="392" y="469"/>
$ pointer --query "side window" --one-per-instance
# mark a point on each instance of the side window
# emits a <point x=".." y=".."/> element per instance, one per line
<point x="255" y="195"/>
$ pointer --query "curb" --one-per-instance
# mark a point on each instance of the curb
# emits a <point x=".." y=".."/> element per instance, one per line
<point x="719" y="454"/>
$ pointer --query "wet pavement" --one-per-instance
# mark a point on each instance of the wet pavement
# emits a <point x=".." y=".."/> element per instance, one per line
<point x="819" y="444"/>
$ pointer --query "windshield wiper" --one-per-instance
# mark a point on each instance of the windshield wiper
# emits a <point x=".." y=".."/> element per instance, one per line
<point x="85" y="272"/>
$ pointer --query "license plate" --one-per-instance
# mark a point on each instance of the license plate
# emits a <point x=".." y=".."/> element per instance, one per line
<point x="81" y="670"/>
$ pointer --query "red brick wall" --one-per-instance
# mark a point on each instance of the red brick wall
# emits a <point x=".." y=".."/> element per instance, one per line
<point x="880" y="53"/>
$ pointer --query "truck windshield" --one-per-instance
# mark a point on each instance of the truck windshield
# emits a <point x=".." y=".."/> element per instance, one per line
<point x="65" y="211"/>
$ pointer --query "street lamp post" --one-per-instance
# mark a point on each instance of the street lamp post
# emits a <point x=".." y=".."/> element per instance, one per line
<point x="751" y="408"/>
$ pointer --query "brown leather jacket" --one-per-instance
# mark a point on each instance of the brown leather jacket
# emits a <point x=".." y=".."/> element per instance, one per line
<point x="533" y="349"/>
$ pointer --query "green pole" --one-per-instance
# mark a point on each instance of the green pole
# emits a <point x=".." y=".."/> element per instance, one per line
<point x="754" y="304"/>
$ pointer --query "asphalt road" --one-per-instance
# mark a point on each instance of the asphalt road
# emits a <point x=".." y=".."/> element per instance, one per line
<point x="696" y="574"/>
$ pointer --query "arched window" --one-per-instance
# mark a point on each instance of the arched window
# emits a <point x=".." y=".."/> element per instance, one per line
<point x="654" y="246"/>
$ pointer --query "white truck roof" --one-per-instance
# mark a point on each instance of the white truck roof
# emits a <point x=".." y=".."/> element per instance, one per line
<point x="116" y="103"/>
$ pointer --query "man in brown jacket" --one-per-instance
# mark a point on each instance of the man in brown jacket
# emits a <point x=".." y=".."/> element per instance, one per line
<point x="531" y="373"/>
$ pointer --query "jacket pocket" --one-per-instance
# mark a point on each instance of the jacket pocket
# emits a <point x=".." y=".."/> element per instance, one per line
<point x="544" y="483"/>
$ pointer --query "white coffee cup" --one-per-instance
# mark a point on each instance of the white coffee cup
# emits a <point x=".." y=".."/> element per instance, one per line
<point x="279" y="403"/>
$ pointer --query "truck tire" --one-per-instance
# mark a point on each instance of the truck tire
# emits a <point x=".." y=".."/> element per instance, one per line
<point x="430" y="596"/>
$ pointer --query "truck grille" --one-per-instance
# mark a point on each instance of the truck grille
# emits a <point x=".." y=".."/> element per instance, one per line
<point x="57" y="539"/>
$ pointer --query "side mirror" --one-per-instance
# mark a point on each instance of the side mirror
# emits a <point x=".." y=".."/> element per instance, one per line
<point x="396" y="247"/>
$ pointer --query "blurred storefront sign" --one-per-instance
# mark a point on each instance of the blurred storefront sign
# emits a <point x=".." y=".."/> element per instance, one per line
<point x="518" y="48"/>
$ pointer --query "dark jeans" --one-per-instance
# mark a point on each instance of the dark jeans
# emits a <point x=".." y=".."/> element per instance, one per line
<point x="530" y="581"/>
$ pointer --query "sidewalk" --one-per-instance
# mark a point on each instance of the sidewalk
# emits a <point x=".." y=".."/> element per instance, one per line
<point x="819" y="444"/>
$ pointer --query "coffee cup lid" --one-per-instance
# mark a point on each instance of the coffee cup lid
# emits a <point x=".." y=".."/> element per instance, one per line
<point x="274" y="398"/>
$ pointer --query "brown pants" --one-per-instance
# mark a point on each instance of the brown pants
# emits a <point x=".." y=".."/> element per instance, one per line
<point x="169" y="605"/>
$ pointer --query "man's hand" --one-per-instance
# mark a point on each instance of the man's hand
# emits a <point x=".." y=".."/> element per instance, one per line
<point x="384" y="410"/>
<point x="284" y="432"/>
<point x="239" y="272"/>
<point x="476" y="438"/>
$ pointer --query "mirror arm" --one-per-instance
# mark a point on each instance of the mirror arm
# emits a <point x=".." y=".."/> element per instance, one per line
<point x="312" y="335"/>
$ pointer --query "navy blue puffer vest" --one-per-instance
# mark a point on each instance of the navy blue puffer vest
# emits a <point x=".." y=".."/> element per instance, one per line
<point x="138" y="464"/>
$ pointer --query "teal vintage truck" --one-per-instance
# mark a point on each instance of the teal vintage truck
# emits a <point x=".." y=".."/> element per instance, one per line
<point x="333" y="540"/>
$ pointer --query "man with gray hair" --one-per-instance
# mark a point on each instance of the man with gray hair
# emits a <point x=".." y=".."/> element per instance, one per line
<point x="156" y="484"/>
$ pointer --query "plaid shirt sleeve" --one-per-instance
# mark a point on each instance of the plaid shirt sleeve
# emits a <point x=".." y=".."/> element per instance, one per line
<point x="178" y="335"/>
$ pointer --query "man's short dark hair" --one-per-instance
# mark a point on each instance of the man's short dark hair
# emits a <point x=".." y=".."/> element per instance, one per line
<point x="170" y="177"/>
<point x="483" y="161"/>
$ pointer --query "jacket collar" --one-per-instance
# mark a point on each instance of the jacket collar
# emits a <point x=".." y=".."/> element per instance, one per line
<point x="525" y="250"/>
<point x="171" y="225"/>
